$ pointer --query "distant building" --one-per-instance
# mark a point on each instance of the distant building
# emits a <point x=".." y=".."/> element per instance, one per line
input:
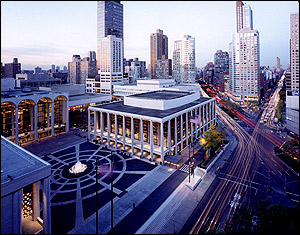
<point x="244" y="60"/>
<point x="221" y="64"/>
<point x="294" y="51"/>
<point x="53" y="68"/>
<point x="184" y="66"/>
<point x="158" y="48"/>
<point x="37" y="70"/>
<point x="208" y="73"/>
<point x="163" y="68"/>
<point x="92" y="64"/>
<point x="134" y="69"/>
<point x="11" y="69"/>
<point x="278" y="62"/>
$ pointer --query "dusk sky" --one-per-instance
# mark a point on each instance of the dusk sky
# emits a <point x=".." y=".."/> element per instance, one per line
<point x="44" y="33"/>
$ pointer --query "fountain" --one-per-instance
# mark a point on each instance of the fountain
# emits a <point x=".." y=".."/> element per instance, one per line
<point x="78" y="168"/>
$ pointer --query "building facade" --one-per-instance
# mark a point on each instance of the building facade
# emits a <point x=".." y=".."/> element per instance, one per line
<point x="110" y="51"/>
<point x="184" y="63"/>
<point x="163" y="68"/>
<point x="132" y="124"/>
<point x="25" y="191"/>
<point x="294" y="51"/>
<point x="11" y="69"/>
<point x="221" y="63"/>
<point x="30" y="115"/>
<point x="244" y="62"/>
<point x="158" y="48"/>
<point x="110" y="46"/>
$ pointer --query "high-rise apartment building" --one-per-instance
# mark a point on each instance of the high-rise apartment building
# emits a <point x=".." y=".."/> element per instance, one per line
<point x="244" y="61"/>
<point x="79" y="70"/>
<point x="158" y="48"/>
<point x="92" y="64"/>
<point x="53" y="68"/>
<point x="110" y="46"/>
<point x="184" y="66"/>
<point x="134" y="69"/>
<point x="294" y="51"/>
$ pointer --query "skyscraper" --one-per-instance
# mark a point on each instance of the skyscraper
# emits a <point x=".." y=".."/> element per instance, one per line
<point x="53" y="68"/>
<point x="278" y="62"/>
<point x="158" y="48"/>
<point x="184" y="66"/>
<point x="244" y="61"/>
<point x="110" y="43"/>
<point x="239" y="15"/>
<point x="294" y="53"/>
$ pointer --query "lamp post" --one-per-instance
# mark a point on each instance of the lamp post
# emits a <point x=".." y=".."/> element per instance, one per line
<point x="111" y="192"/>
<point x="97" y="195"/>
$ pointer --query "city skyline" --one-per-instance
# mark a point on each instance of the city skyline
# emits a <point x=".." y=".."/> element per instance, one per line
<point x="43" y="27"/>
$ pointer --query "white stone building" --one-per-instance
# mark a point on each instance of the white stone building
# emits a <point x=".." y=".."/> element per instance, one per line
<point x="152" y="124"/>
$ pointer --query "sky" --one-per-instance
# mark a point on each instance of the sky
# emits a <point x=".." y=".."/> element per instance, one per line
<point x="42" y="33"/>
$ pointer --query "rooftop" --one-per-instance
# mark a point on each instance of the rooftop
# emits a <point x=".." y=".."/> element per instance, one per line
<point x="162" y="95"/>
<point x="121" y="108"/>
<point x="19" y="167"/>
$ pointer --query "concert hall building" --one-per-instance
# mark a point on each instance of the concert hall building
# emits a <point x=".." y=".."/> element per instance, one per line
<point x="152" y="124"/>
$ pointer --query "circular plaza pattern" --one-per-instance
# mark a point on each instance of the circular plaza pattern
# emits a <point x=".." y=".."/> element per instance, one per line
<point x="75" y="195"/>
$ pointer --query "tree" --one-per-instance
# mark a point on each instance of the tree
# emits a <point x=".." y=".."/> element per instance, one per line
<point x="213" y="138"/>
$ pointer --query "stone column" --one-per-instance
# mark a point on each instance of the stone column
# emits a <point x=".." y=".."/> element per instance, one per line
<point x="101" y="126"/>
<point x="175" y="134"/>
<point x="13" y="122"/>
<point x="31" y="118"/>
<point x="132" y="136"/>
<point x="48" y="114"/>
<point x="169" y="136"/>
<point x="116" y="131"/>
<point x="35" y="200"/>
<point x="123" y="132"/>
<point x="108" y="129"/>
<point x="36" y="122"/>
<point x="67" y="114"/>
<point x="95" y="124"/>
<point x="46" y="206"/>
<point x="89" y="123"/>
<point x="151" y="140"/>
<point x="17" y="124"/>
<point x="141" y="136"/>
<point x="52" y="118"/>
<point x="187" y="127"/>
<point x="162" y="142"/>
<point x="16" y="212"/>
<point x="181" y="132"/>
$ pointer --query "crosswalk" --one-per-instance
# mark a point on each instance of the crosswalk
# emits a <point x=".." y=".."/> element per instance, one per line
<point x="184" y="168"/>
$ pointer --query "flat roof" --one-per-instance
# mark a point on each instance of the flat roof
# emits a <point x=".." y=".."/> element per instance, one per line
<point x="120" y="107"/>
<point x="19" y="167"/>
<point x="23" y="92"/>
<point x="161" y="95"/>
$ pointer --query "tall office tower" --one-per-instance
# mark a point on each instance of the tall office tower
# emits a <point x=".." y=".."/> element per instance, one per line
<point x="294" y="50"/>
<point x="110" y="51"/>
<point x="247" y="17"/>
<point x="53" y="68"/>
<point x="244" y="64"/>
<point x="110" y="44"/>
<point x="221" y="64"/>
<point x="278" y="62"/>
<point x="11" y="69"/>
<point x="163" y="68"/>
<point x="92" y="64"/>
<point x="239" y="15"/>
<point x="158" y="48"/>
<point x="292" y="87"/>
<point x="184" y="64"/>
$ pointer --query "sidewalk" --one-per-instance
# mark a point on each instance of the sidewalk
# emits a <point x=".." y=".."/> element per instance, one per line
<point x="175" y="211"/>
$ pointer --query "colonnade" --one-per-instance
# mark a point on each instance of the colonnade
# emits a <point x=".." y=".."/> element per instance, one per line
<point x="168" y="135"/>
